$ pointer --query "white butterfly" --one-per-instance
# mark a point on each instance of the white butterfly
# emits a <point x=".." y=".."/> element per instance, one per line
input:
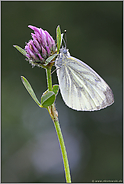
<point x="81" y="87"/>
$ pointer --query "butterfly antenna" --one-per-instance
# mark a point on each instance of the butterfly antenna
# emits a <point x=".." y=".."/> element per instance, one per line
<point x="65" y="40"/>
<point x="65" y="37"/>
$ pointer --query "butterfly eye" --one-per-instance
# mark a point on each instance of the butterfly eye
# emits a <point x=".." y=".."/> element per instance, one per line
<point x="65" y="51"/>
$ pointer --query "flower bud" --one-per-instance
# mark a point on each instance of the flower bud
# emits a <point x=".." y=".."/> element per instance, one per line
<point x="40" y="47"/>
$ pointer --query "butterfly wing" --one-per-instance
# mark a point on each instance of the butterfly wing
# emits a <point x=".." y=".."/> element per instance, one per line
<point x="81" y="87"/>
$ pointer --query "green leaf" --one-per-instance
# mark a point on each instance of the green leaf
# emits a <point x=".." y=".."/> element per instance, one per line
<point x="56" y="89"/>
<point x="58" y="38"/>
<point x="50" y="59"/>
<point x="30" y="90"/>
<point x="47" y="98"/>
<point x="20" y="49"/>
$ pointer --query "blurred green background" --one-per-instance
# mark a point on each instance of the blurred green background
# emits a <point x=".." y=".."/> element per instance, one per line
<point x="30" y="149"/>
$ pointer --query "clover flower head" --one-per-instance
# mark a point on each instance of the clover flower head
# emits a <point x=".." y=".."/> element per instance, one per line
<point x="40" y="47"/>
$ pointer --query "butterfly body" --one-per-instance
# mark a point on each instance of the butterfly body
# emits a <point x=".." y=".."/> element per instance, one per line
<point x="80" y="86"/>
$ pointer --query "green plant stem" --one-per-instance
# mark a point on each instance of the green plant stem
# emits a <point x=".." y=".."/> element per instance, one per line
<point x="63" y="150"/>
<point x="54" y="115"/>
<point x="49" y="78"/>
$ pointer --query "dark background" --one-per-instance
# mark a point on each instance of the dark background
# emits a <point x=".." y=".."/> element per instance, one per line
<point x="30" y="149"/>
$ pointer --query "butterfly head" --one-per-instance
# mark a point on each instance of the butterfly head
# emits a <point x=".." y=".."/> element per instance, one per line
<point x="64" y="52"/>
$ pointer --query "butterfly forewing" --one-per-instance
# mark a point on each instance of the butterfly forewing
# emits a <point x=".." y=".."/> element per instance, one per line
<point x="81" y="87"/>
